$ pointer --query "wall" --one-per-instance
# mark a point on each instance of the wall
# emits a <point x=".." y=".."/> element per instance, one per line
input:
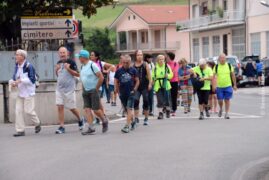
<point x="45" y="105"/>
<point x="183" y="37"/>
<point x="1" y="105"/>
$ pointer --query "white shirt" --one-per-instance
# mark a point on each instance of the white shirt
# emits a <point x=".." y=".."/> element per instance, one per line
<point x="26" y="88"/>
<point x="111" y="78"/>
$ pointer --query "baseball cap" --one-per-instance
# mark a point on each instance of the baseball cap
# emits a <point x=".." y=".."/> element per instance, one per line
<point x="83" y="53"/>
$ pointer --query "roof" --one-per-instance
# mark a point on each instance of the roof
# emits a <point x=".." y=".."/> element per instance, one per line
<point x="157" y="14"/>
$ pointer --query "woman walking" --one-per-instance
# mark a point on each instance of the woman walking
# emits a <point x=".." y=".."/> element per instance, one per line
<point x="161" y="76"/>
<point x="110" y="85"/>
<point x="213" y="101"/>
<point x="185" y="85"/>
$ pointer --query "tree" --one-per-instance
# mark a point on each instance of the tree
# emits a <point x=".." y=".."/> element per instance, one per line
<point x="11" y="11"/>
<point x="99" y="41"/>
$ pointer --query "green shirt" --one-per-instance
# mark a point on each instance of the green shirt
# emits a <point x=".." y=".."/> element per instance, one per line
<point x="158" y="76"/>
<point x="207" y="72"/>
<point x="224" y="75"/>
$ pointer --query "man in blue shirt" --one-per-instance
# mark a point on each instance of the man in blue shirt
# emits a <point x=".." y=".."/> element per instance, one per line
<point x="126" y="84"/>
<point x="92" y="80"/>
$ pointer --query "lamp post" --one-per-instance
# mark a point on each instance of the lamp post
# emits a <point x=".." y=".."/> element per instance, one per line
<point x="265" y="3"/>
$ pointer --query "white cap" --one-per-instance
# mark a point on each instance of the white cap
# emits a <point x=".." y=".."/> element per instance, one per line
<point x="202" y="61"/>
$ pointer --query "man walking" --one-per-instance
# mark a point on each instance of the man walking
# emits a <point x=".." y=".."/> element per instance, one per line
<point x="126" y="84"/>
<point x="24" y="79"/>
<point x="145" y="86"/>
<point x="226" y="83"/>
<point x="92" y="79"/>
<point x="66" y="71"/>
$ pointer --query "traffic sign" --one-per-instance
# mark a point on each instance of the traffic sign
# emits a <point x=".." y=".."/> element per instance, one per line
<point x="60" y="12"/>
<point x="46" y="23"/>
<point x="46" y="34"/>
<point x="75" y="29"/>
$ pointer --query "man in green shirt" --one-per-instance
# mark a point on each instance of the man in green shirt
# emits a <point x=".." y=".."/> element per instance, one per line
<point x="226" y="83"/>
<point x="206" y="74"/>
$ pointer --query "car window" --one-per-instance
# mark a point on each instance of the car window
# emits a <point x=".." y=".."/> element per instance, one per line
<point x="232" y="61"/>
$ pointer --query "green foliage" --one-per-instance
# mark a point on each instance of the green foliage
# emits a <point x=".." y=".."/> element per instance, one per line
<point x="99" y="40"/>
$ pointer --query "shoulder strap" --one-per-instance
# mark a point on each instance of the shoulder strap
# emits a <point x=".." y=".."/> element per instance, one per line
<point x="100" y="63"/>
<point x="216" y="69"/>
<point x="230" y="67"/>
<point x="93" y="70"/>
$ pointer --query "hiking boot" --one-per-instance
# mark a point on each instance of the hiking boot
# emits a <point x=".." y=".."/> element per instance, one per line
<point x="220" y="113"/>
<point x="97" y="121"/>
<point x="160" y="115"/>
<point x="105" y="126"/>
<point x="38" y="128"/>
<point x="201" y="117"/>
<point x="146" y="122"/>
<point x="18" y="134"/>
<point x="133" y="125"/>
<point x="207" y="113"/>
<point x="168" y="114"/>
<point x="226" y="116"/>
<point x="60" y="130"/>
<point x="90" y="131"/>
<point x="81" y="124"/>
<point x="125" y="129"/>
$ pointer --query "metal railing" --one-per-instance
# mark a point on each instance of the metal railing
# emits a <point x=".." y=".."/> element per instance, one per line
<point x="157" y="45"/>
<point x="210" y="20"/>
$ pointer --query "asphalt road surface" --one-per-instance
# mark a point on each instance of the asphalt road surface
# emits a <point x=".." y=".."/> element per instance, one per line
<point x="181" y="148"/>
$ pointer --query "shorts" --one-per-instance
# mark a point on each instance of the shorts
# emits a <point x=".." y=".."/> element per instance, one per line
<point x="225" y="93"/>
<point x="203" y="96"/>
<point x="127" y="102"/>
<point x="111" y="88"/>
<point x="137" y="96"/>
<point x="259" y="74"/>
<point x="91" y="99"/>
<point x="68" y="100"/>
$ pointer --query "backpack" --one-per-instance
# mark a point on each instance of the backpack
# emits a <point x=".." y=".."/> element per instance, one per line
<point x="166" y="71"/>
<point x="37" y="83"/>
<point x="196" y="83"/>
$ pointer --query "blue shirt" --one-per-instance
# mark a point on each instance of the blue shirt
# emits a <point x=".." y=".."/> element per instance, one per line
<point x="259" y="67"/>
<point x="184" y="72"/>
<point x="126" y="78"/>
<point x="88" y="75"/>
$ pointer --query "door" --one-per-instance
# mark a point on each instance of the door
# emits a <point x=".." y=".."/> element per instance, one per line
<point x="225" y="44"/>
<point x="157" y="35"/>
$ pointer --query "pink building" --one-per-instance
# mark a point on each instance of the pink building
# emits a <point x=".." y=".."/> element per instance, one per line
<point x="152" y="28"/>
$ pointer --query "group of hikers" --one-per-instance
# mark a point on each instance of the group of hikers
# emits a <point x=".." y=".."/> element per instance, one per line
<point x="130" y="80"/>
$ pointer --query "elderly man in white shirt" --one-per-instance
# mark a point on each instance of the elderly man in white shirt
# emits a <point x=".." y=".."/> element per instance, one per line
<point x="24" y="80"/>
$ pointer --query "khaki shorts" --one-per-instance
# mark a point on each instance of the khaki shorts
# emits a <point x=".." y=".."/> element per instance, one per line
<point x="68" y="100"/>
<point x="91" y="99"/>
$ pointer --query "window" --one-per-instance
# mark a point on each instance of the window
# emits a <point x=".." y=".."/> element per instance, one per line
<point x="195" y="11"/>
<point x="225" y="5"/>
<point x="267" y="43"/>
<point x="205" y="47"/>
<point x="195" y="47"/>
<point x="134" y="17"/>
<point x="216" y="45"/>
<point x="255" y="40"/>
<point x="129" y="18"/>
<point x="144" y="37"/>
<point x="239" y="43"/>
<point x="215" y="4"/>
<point x="204" y="8"/>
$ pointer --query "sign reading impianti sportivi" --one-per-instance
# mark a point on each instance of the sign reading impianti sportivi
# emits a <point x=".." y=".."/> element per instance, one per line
<point x="47" y="24"/>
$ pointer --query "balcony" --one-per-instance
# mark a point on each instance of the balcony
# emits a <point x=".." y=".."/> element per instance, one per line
<point x="150" y="46"/>
<point x="214" y="21"/>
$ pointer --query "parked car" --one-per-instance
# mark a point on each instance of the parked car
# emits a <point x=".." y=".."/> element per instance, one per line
<point x="266" y="71"/>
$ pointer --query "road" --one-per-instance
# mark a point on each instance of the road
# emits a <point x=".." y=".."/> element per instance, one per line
<point x="181" y="148"/>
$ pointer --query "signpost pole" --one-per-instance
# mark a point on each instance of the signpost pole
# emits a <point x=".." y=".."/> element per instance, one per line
<point x="6" y="103"/>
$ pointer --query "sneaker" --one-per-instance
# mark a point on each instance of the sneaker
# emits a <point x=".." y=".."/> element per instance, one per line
<point x="146" y="122"/>
<point x="90" y="131"/>
<point x="81" y="124"/>
<point x="60" y="130"/>
<point x="133" y="125"/>
<point x="167" y="114"/>
<point x="207" y="113"/>
<point x="151" y="114"/>
<point x="137" y="120"/>
<point x="160" y="115"/>
<point x="105" y="126"/>
<point x="38" y="128"/>
<point x="125" y="129"/>
<point x="226" y="116"/>
<point x="185" y="110"/>
<point x="173" y="113"/>
<point x="189" y="109"/>
<point x="164" y="109"/>
<point x="220" y="113"/>
<point x="201" y="117"/>
<point x="18" y="134"/>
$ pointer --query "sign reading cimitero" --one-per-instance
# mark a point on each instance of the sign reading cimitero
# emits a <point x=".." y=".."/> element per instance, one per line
<point x="47" y="24"/>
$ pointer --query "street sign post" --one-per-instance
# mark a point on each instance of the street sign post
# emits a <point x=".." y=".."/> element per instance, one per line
<point x="55" y="23"/>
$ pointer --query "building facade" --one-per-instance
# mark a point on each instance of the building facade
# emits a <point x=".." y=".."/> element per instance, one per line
<point x="152" y="28"/>
<point x="216" y="26"/>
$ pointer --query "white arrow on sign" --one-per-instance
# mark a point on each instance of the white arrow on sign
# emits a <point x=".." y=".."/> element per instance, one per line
<point x="46" y="34"/>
